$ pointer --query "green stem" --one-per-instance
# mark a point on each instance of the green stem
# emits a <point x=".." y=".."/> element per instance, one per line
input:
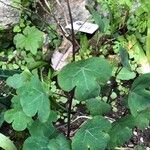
<point x="37" y="65"/>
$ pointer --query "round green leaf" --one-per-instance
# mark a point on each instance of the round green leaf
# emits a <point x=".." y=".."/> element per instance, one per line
<point x="31" y="39"/>
<point x="85" y="76"/>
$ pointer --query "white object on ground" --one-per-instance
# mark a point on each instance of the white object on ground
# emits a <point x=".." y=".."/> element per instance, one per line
<point x="85" y="27"/>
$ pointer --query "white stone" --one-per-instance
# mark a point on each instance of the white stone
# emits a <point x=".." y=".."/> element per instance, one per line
<point x="8" y="15"/>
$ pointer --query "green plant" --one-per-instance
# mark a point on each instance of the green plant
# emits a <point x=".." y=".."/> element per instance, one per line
<point x="43" y="100"/>
<point x="32" y="98"/>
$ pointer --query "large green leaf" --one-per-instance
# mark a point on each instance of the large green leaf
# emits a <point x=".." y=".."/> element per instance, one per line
<point x="34" y="100"/>
<point x="85" y="76"/>
<point x="16" y="116"/>
<point x="93" y="135"/>
<point x="59" y="143"/>
<point x="31" y="39"/>
<point x="139" y="96"/>
<point x="36" y="143"/>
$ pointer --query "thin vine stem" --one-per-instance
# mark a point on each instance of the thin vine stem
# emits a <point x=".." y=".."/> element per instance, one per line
<point x="70" y="100"/>
<point x="71" y="93"/>
<point x="72" y="31"/>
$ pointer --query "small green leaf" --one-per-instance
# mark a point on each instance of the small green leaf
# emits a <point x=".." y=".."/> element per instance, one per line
<point x="16" y="116"/>
<point x="97" y="107"/>
<point x="85" y="76"/>
<point x="93" y="135"/>
<point x="124" y="58"/>
<point x="125" y="74"/>
<point x="16" y="28"/>
<point x="16" y="81"/>
<point x="31" y="39"/>
<point x="59" y="143"/>
<point x="34" y="100"/>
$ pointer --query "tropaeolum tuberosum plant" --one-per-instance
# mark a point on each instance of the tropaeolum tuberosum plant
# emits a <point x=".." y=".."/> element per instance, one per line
<point x="31" y="108"/>
<point x="83" y="80"/>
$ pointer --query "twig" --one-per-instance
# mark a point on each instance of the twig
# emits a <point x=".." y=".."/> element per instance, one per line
<point x="81" y="117"/>
<point x="72" y="31"/>
<point x="71" y="93"/>
<point x="65" y="16"/>
<point x="49" y="12"/>
<point x="123" y="148"/>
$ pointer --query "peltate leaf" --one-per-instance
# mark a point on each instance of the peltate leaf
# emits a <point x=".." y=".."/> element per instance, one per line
<point x="34" y="100"/>
<point x="85" y="76"/>
<point x="16" y="116"/>
<point x="93" y="135"/>
<point x="30" y="40"/>
<point x="59" y="143"/>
